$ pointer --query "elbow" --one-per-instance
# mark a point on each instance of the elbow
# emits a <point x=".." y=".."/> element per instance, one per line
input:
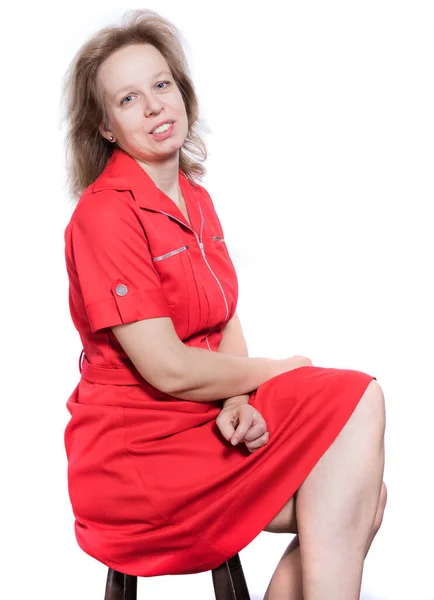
<point x="171" y="378"/>
<point x="174" y="384"/>
<point x="163" y="379"/>
<point x="167" y="384"/>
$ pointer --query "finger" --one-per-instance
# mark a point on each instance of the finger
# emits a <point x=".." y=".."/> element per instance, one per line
<point x="242" y="428"/>
<point x="257" y="428"/>
<point x="256" y="431"/>
<point x="225" y="423"/>
<point x="261" y="441"/>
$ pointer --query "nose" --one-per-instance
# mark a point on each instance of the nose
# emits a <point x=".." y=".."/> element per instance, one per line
<point x="152" y="106"/>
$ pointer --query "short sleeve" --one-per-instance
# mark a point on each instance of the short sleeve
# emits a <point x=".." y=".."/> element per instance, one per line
<point x="117" y="278"/>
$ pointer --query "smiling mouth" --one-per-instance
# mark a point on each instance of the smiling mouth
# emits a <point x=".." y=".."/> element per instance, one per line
<point x="163" y="128"/>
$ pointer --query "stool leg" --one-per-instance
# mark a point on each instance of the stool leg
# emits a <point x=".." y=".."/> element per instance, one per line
<point x="120" y="586"/>
<point x="229" y="581"/>
<point x="239" y="581"/>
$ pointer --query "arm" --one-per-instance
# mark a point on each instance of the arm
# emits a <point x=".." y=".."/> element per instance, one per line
<point x="105" y="246"/>
<point x="189" y="373"/>
<point x="233" y="342"/>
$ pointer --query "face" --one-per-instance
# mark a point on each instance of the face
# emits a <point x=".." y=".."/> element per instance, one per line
<point x="139" y="94"/>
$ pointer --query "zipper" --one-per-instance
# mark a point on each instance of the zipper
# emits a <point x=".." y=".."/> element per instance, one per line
<point x="215" y="277"/>
<point x="171" y="253"/>
<point x="80" y="361"/>
<point x="205" y="259"/>
<point x="199" y="241"/>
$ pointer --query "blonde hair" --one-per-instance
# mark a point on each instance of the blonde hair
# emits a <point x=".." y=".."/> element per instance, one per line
<point x="87" y="151"/>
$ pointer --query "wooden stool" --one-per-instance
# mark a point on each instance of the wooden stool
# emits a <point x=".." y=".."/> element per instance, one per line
<point x="228" y="579"/>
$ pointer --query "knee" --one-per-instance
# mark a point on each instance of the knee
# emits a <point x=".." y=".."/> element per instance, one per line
<point x="381" y="508"/>
<point x="375" y="392"/>
<point x="373" y="399"/>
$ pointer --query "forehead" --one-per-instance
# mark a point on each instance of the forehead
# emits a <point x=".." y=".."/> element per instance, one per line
<point x="131" y="64"/>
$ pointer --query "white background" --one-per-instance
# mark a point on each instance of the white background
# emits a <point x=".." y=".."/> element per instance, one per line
<point x="321" y="169"/>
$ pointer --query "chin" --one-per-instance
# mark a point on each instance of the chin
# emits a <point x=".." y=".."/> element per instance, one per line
<point x="175" y="146"/>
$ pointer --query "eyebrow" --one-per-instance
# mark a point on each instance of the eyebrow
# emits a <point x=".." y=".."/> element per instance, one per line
<point x="129" y="86"/>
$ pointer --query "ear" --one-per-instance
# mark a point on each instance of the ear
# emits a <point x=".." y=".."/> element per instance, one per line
<point x="106" y="133"/>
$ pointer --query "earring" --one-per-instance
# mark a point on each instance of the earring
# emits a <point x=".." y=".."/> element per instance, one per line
<point x="111" y="138"/>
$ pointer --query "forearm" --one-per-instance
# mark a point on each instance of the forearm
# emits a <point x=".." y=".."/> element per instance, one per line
<point x="205" y="376"/>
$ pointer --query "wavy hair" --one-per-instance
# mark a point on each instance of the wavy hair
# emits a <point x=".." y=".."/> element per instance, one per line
<point x="87" y="152"/>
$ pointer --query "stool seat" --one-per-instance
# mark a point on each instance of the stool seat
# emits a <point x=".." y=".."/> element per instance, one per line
<point x="228" y="580"/>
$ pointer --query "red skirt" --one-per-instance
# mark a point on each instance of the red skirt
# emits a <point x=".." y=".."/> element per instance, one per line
<point x="156" y="489"/>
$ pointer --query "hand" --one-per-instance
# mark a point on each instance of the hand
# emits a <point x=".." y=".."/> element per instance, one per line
<point x="289" y="364"/>
<point x="243" y="423"/>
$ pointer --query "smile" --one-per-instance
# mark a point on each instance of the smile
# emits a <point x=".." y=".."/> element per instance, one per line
<point x="163" y="131"/>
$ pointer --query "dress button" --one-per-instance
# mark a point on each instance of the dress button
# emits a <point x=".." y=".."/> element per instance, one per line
<point x="121" y="290"/>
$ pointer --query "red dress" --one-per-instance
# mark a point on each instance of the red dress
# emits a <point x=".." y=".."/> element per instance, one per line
<point x="154" y="487"/>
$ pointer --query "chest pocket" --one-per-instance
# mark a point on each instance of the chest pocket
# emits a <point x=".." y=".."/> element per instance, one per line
<point x="171" y="253"/>
<point x="218" y="243"/>
<point x="173" y="264"/>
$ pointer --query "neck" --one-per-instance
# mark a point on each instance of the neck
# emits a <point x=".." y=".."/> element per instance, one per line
<point x="165" y="175"/>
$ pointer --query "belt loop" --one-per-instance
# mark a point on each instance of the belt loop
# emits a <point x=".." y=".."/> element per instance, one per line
<point x="80" y="362"/>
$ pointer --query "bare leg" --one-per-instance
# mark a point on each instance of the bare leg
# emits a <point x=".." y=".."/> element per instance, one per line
<point x="337" y="503"/>
<point x="286" y="582"/>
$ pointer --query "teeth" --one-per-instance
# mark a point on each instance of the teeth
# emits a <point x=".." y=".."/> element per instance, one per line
<point x="162" y="128"/>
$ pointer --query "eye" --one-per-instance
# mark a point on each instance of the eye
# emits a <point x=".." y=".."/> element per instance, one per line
<point x="161" y="83"/>
<point x="126" y="98"/>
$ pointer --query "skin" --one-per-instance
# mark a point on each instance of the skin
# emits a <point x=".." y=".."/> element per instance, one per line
<point x="286" y="582"/>
<point x="240" y="422"/>
<point x="139" y="92"/>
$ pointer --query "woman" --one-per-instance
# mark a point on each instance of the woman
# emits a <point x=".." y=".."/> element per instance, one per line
<point x="181" y="448"/>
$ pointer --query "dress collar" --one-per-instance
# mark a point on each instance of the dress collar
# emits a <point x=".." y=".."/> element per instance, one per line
<point x="122" y="172"/>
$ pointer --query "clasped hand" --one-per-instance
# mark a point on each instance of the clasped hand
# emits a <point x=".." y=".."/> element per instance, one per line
<point x="243" y="423"/>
